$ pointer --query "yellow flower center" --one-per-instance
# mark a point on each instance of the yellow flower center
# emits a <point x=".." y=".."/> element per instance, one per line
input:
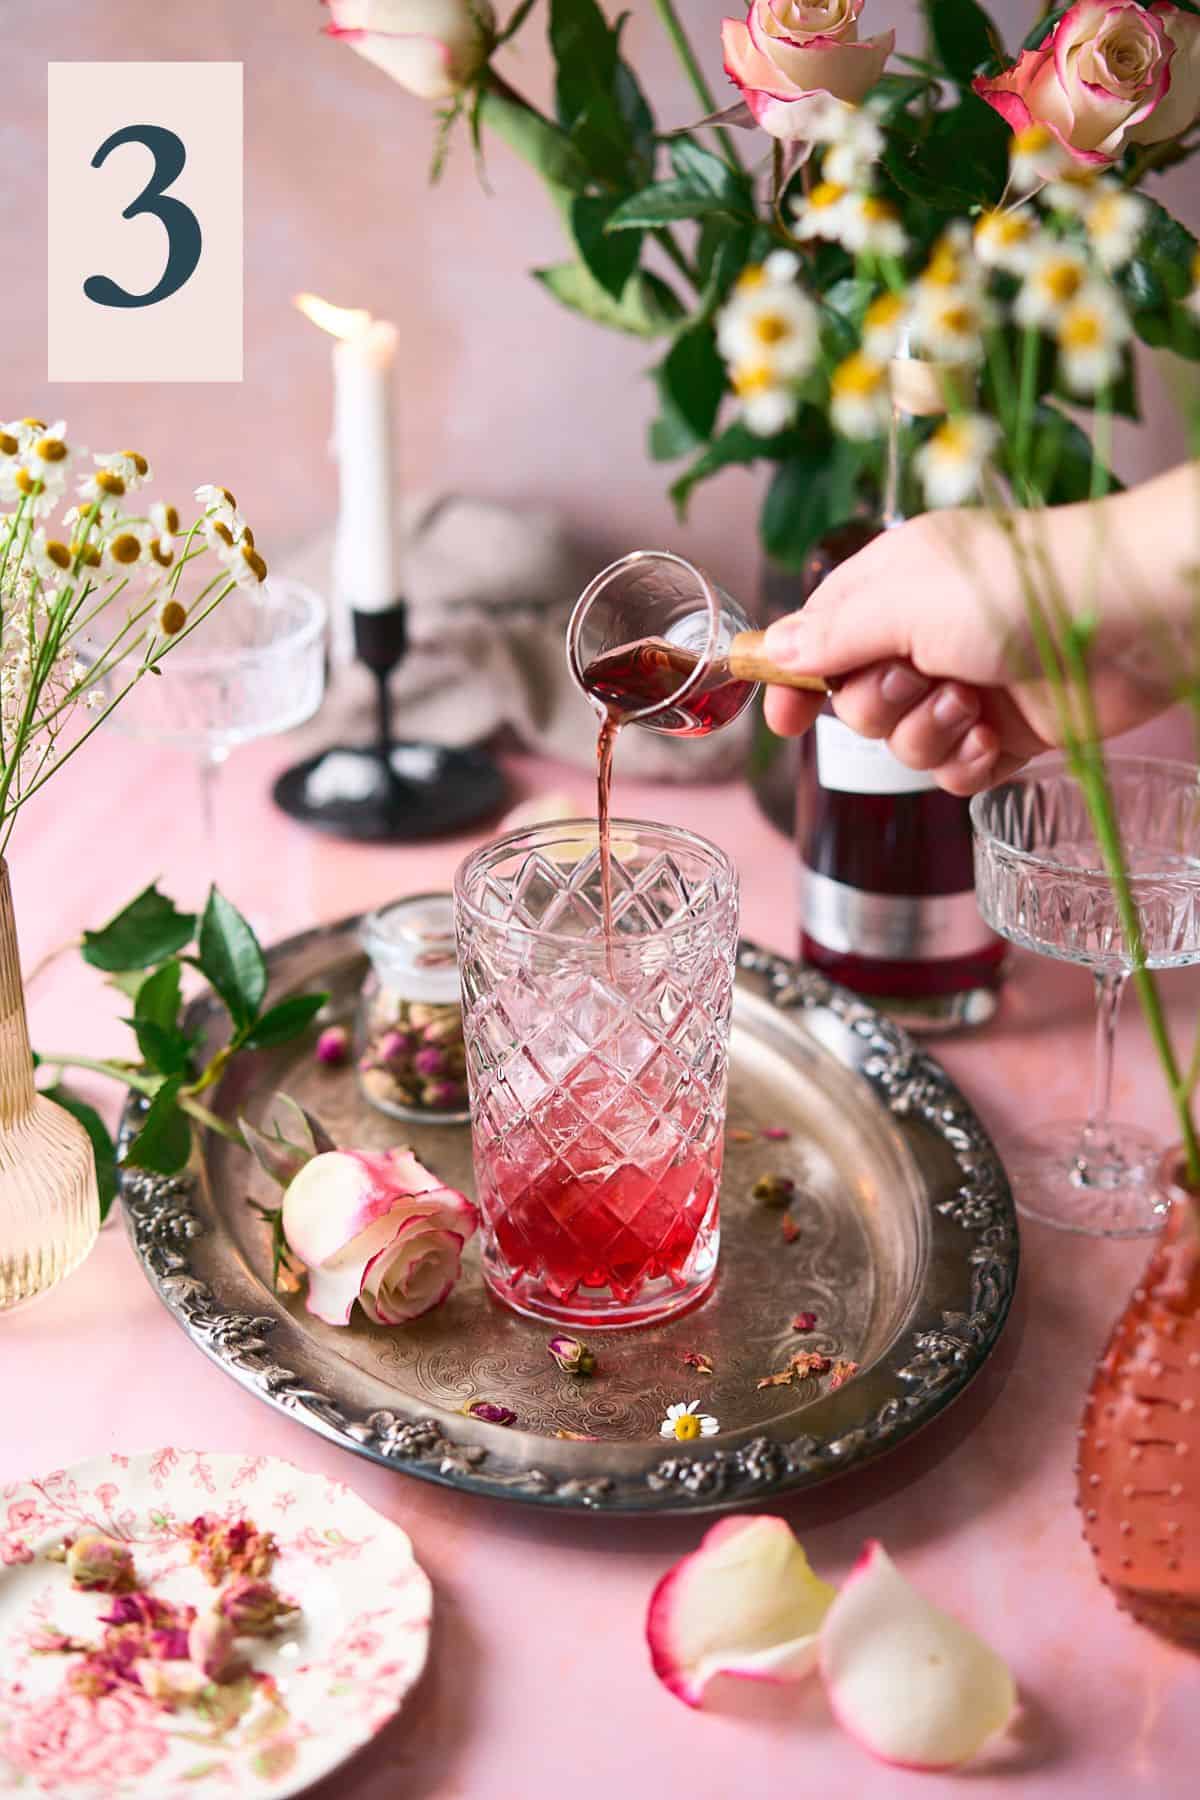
<point x="1006" y="228"/>
<point x="125" y="548"/>
<point x="164" y="558"/>
<point x="958" y="319"/>
<point x="171" y="519"/>
<point x="1082" y="330"/>
<point x="58" y="554"/>
<point x="825" y="195"/>
<point x="859" y="376"/>
<point x="87" y="554"/>
<point x="751" y="278"/>
<point x="51" y="450"/>
<point x="687" y="1426"/>
<point x="953" y="441"/>
<point x="944" y="268"/>
<point x="1061" y="280"/>
<point x="770" y="328"/>
<point x="108" y="482"/>
<point x="26" y="483"/>
<point x="35" y="424"/>
<point x="1032" y="139"/>
<point x="138" y="460"/>
<point x="752" y="378"/>
<point x="885" y="312"/>
<point x="254" y="560"/>
<point x="223" y="532"/>
<point x="8" y="445"/>
<point x="877" y="210"/>
<point x="172" y="618"/>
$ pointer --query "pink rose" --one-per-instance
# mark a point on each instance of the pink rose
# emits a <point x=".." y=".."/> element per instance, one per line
<point x="378" y="1228"/>
<point x="434" y="48"/>
<point x="70" y="1737"/>
<point x="1109" y="72"/>
<point x="790" y="56"/>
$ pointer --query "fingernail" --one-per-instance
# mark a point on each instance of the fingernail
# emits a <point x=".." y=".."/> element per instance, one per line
<point x="951" y="709"/>
<point x="902" y="685"/>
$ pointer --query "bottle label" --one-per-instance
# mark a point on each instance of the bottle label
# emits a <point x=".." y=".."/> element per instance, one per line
<point x="847" y="921"/>
<point x="850" y="764"/>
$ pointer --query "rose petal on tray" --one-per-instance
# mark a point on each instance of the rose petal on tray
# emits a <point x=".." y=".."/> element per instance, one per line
<point x="911" y="1684"/>
<point x="745" y="1603"/>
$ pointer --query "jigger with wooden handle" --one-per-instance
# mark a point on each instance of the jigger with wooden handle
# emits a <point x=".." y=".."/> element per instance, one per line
<point x="654" y="641"/>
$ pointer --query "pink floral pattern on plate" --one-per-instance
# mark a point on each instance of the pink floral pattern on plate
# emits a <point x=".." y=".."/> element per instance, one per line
<point x="339" y="1674"/>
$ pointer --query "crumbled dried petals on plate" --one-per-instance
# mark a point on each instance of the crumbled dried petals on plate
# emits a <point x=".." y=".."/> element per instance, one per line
<point x="843" y="1371"/>
<point x="776" y="1134"/>
<point x="696" y="1359"/>
<point x="773" y="1190"/>
<point x="789" y="1229"/>
<point x="800" y="1367"/>
<point x="804" y="1321"/>
<point x="737" y="1136"/>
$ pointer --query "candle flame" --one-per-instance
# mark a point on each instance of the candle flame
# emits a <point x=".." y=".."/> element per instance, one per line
<point x="338" y="321"/>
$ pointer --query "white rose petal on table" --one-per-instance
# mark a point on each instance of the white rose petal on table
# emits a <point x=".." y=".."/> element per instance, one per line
<point x="341" y="1667"/>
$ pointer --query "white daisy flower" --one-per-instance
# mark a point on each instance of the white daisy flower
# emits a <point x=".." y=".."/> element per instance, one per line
<point x="685" y="1422"/>
<point x="130" y="465"/>
<point x="218" y="502"/>
<point x="861" y="399"/>
<point x="1092" y="333"/>
<point x="51" y="558"/>
<point x="767" y="404"/>
<point x="172" y="617"/>
<point x="883" y="327"/>
<point x="1114" y="219"/>
<point x="952" y="264"/>
<point x="822" y="214"/>
<point x="102" y="484"/>
<point x="850" y="158"/>
<point x="128" y="544"/>
<point x="952" y="463"/>
<point x="774" y="323"/>
<point x="870" y="222"/>
<point x="1035" y="156"/>
<point x="1057" y="274"/>
<point x="1072" y="190"/>
<point x="1007" y="239"/>
<point x="26" y="479"/>
<point x="948" y="323"/>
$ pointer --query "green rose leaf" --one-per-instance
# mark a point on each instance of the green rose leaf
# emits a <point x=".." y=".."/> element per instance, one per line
<point x="536" y="140"/>
<point x="103" y="1147"/>
<point x="1063" y="458"/>
<point x="285" y="1021"/>
<point x="585" y="55"/>
<point x="647" y="308"/>
<point x="1157" y="284"/>
<point x="692" y="379"/>
<point x="611" y="259"/>
<point x="231" y="958"/>
<point x="164" y="1142"/>
<point x="814" y="490"/>
<point x="964" y="37"/>
<point x="165" y="1049"/>
<point x="736" y="445"/>
<point x="158" y="996"/>
<point x="144" y="933"/>
<point x="667" y="201"/>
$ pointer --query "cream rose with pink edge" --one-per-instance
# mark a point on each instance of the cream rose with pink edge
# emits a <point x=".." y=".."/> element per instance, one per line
<point x="789" y="56"/>
<point x="433" y="48"/>
<point x="376" y="1227"/>
<point x="1110" y="73"/>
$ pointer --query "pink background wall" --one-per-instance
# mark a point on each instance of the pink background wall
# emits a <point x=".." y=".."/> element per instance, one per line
<point x="500" y="392"/>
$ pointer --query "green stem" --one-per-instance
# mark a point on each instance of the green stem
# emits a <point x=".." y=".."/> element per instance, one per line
<point x="695" y="74"/>
<point x="1030" y="344"/>
<point x="122" y="1072"/>
<point x="210" y="1120"/>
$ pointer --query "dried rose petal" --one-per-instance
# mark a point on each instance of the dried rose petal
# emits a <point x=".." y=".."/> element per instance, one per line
<point x="773" y="1190"/>
<point x="578" y="1437"/>
<point x="811" y="1362"/>
<point x="696" y="1359"/>
<point x="789" y="1228"/>
<point x="210" y="1645"/>
<point x="842" y="1372"/>
<point x="101" y="1565"/>
<point x="783" y="1379"/>
<point x="776" y="1134"/>
<point x="737" y="1136"/>
<point x="745" y="1603"/>
<point x="491" y="1412"/>
<point x="253" y="1607"/>
<point x="911" y="1684"/>
<point x="572" y="1356"/>
<point x="805" y="1321"/>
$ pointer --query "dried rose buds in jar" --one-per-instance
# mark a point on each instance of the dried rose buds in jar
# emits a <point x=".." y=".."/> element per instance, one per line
<point x="411" y="1059"/>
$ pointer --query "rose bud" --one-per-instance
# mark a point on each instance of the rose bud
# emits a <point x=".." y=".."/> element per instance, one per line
<point x="393" y="1046"/>
<point x="572" y="1356"/>
<point x="210" y="1645"/>
<point x="443" y="1031"/>
<point x="253" y="1608"/>
<point x="491" y="1412"/>
<point x="100" y="1565"/>
<point x="429" y="1061"/>
<point x="445" y="1096"/>
<point x="333" y="1046"/>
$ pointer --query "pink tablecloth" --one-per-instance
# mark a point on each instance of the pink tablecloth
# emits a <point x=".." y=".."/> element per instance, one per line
<point x="539" y="1685"/>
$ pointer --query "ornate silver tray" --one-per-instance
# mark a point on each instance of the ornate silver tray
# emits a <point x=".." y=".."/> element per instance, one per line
<point x="905" y="1249"/>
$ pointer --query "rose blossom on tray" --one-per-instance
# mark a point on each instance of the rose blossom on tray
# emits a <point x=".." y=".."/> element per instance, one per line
<point x="374" y="1226"/>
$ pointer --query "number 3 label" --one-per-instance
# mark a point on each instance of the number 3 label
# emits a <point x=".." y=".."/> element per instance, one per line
<point x="145" y="260"/>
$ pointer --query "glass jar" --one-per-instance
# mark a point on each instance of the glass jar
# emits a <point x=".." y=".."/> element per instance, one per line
<point x="409" y="1037"/>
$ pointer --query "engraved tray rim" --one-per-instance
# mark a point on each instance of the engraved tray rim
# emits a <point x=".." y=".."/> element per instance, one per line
<point x="939" y="1350"/>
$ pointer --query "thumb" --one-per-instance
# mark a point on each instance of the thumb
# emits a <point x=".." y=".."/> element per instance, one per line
<point x="854" y="618"/>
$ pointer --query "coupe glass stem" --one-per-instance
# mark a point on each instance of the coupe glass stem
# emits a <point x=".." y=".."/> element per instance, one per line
<point x="1098" y="1163"/>
<point x="211" y="761"/>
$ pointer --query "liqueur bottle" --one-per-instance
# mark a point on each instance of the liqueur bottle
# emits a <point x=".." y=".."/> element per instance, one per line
<point x="887" y="877"/>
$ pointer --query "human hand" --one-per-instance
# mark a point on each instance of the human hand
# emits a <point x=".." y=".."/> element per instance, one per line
<point x="929" y="628"/>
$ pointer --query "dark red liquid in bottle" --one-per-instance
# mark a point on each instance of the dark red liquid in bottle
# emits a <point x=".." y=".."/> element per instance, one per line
<point x="888" y="907"/>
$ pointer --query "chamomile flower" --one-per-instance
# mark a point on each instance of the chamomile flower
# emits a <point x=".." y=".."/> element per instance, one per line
<point x="172" y="617"/>
<point x="851" y="156"/>
<point x="952" y="264"/>
<point x="1057" y="274"/>
<point x="775" y="323"/>
<point x="871" y="223"/>
<point x="23" y="479"/>
<point x="127" y="545"/>
<point x="883" y="327"/>
<point x="1006" y="238"/>
<point x="861" y="404"/>
<point x="952" y="462"/>
<point x="822" y="214"/>
<point x="1035" y="156"/>
<point x="1073" y="188"/>
<point x="244" y="563"/>
<point x="130" y="465"/>
<point x="218" y="502"/>
<point x="685" y="1422"/>
<point x="1114" y="220"/>
<point x="948" y="324"/>
<point x="767" y="404"/>
<point x="102" y="484"/>
<point x="50" y="557"/>
<point x="1092" y="333"/>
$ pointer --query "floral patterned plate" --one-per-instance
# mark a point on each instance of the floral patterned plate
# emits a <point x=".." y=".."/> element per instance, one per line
<point x="339" y="1673"/>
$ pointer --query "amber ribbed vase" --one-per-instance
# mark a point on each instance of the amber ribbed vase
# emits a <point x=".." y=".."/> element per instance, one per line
<point x="1139" y="1454"/>
<point x="49" y="1211"/>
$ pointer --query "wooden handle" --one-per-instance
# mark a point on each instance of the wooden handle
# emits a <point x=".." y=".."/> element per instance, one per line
<point x="748" y="662"/>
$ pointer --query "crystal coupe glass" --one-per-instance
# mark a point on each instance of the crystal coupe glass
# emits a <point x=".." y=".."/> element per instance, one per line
<point x="1041" y="883"/>
<point x="597" y="1068"/>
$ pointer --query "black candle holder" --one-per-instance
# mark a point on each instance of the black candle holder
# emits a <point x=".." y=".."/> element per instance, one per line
<point x="393" y="791"/>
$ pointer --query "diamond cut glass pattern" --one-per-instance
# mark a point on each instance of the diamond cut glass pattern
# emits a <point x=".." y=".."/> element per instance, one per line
<point x="598" y="1071"/>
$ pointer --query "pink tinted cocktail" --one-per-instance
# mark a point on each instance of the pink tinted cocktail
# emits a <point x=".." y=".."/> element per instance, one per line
<point x="597" y="1066"/>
